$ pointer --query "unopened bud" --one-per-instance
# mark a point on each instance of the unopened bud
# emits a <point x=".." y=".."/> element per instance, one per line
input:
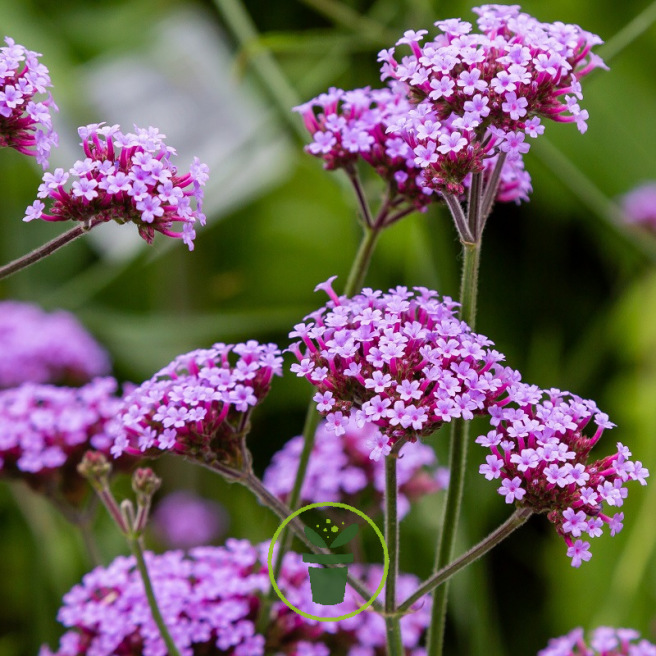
<point x="145" y="483"/>
<point x="95" y="467"/>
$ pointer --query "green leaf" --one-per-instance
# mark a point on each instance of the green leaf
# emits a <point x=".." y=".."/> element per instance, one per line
<point x="347" y="534"/>
<point x="314" y="537"/>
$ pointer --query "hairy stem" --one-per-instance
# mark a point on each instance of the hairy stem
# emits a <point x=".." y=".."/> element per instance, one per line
<point x="392" y="621"/>
<point x="457" y="460"/>
<point x="45" y="250"/>
<point x="516" y="520"/>
<point x="137" y="551"/>
<point x="362" y="260"/>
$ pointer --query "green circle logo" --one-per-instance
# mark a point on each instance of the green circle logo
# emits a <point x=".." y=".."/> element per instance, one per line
<point x="281" y="528"/>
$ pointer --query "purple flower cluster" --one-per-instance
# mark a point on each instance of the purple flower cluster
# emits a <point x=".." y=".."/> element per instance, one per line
<point x="209" y="600"/>
<point x="403" y="359"/>
<point x="41" y="347"/>
<point x="479" y="95"/>
<point x="125" y="178"/>
<point x="342" y="469"/>
<point x="183" y="520"/>
<point x="540" y="455"/>
<point x="457" y="103"/>
<point x="45" y="430"/>
<point x="639" y="206"/>
<point x="604" y="641"/>
<point x="199" y="404"/>
<point x="352" y="125"/>
<point x="25" y="123"/>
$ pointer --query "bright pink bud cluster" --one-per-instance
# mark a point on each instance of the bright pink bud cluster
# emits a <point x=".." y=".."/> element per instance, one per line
<point x="403" y="359"/>
<point x="540" y="455"/>
<point x="45" y="431"/>
<point x="604" y="641"/>
<point x="25" y="123"/>
<point x="342" y="469"/>
<point x="199" y="405"/>
<point x="42" y="347"/>
<point x="125" y="178"/>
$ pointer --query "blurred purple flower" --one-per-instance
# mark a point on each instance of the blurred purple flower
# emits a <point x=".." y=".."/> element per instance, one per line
<point x="639" y="206"/>
<point x="209" y="600"/>
<point x="340" y="469"/>
<point x="41" y="347"/>
<point x="25" y="123"/>
<point x="183" y="520"/>
<point x="604" y="641"/>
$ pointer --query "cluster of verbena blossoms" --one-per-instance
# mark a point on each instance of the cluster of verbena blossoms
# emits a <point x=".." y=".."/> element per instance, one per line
<point x="209" y="600"/>
<point x="340" y="469"/>
<point x="639" y="206"/>
<point x="125" y="178"/>
<point x="604" y="641"/>
<point x="45" y="430"/>
<point x="183" y="520"/>
<point x="25" y="123"/>
<point x="403" y="359"/>
<point x="199" y="405"/>
<point x="41" y="347"/>
<point x="540" y="454"/>
<point x="457" y="103"/>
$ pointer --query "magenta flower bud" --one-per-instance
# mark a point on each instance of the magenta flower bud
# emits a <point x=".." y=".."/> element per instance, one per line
<point x="25" y="106"/>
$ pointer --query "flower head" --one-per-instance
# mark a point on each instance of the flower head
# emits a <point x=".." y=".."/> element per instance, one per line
<point x="540" y="456"/>
<point x="125" y="178"/>
<point x="639" y="206"/>
<point x="45" y="430"/>
<point x="25" y="121"/>
<point x="402" y="359"/>
<point x="183" y="520"/>
<point x="199" y="405"/>
<point x="41" y="347"/>
<point x="209" y="599"/>
<point x="604" y="641"/>
<point x="342" y="469"/>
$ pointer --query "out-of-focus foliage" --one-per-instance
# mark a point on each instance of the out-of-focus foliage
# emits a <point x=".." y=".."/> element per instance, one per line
<point x="565" y="292"/>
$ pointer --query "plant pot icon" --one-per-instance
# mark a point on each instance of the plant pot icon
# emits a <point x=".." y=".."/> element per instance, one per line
<point x="328" y="580"/>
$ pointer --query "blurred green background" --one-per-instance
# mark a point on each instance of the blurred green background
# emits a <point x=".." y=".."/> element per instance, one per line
<point x="566" y="293"/>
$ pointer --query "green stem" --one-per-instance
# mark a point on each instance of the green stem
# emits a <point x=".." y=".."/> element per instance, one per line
<point x="45" y="250"/>
<point x="137" y="551"/>
<point x="516" y="520"/>
<point x="457" y="460"/>
<point x="362" y="260"/>
<point x="392" y="621"/>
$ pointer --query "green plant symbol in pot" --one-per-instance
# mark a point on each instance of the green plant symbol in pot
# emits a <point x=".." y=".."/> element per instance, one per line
<point x="329" y="583"/>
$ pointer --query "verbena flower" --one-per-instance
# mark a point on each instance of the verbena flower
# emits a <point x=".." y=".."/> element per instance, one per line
<point x="25" y="121"/>
<point x="342" y="469"/>
<point x="540" y="455"/>
<point x="402" y="359"/>
<point x="45" y="431"/>
<point x="127" y="178"/>
<point x="209" y="600"/>
<point x="199" y="405"/>
<point x="639" y="206"/>
<point x="604" y="641"/>
<point x="41" y="347"/>
<point x="183" y="520"/>
<point x="479" y="95"/>
<point x="456" y="103"/>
